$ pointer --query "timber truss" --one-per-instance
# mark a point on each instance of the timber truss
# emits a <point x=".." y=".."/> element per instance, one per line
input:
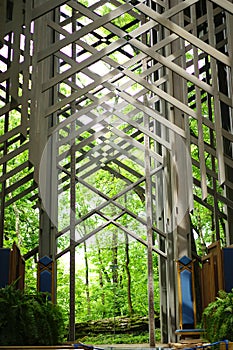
<point x="140" y="90"/>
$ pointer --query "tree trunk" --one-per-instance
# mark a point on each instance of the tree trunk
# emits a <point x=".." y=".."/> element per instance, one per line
<point x="87" y="281"/>
<point x="114" y="258"/>
<point x="130" y="305"/>
<point x="17" y="224"/>
<point x="101" y="282"/>
<point x="102" y="268"/>
<point x="116" y="306"/>
<point x="120" y="325"/>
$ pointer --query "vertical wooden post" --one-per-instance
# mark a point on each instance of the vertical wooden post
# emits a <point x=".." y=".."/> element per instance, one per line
<point x="72" y="245"/>
<point x="72" y="206"/>
<point x="43" y="149"/>
<point x="149" y="237"/>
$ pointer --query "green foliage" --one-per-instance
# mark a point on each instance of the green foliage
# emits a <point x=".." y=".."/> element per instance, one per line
<point x="120" y="338"/>
<point x="217" y="318"/>
<point x="108" y="299"/>
<point x="29" y="319"/>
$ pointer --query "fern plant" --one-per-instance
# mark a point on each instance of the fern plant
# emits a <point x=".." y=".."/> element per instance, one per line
<point x="29" y="319"/>
<point x="217" y="318"/>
